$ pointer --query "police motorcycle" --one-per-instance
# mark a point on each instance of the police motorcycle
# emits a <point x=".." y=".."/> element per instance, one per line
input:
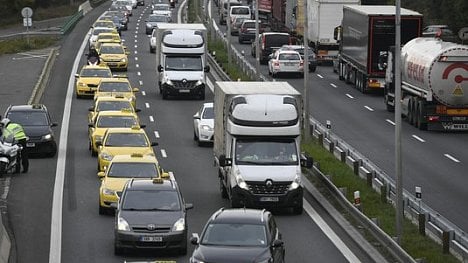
<point x="10" y="155"/>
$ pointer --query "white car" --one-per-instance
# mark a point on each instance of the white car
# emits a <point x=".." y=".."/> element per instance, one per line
<point x="152" y="41"/>
<point x="203" y="124"/>
<point x="285" y="61"/>
<point x="162" y="9"/>
<point x="128" y="4"/>
<point x="134" y="3"/>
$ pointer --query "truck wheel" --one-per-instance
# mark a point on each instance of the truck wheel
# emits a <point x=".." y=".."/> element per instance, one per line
<point x="222" y="189"/>
<point x="422" y="124"/>
<point x="340" y="70"/>
<point x="390" y="108"/>
<point x="411" y="111"/>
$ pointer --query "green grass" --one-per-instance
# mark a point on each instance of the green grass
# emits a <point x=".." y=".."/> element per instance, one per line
<point x="221" y="57"/>
<point x="415" y="244"/>
<point x="21" y="44"/>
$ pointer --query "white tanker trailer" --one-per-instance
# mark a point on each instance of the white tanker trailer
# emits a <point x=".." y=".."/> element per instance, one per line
<point x="434" y="77"/>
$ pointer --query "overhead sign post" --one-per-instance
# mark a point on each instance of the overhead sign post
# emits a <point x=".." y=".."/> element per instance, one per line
<point x="27" y="13"/>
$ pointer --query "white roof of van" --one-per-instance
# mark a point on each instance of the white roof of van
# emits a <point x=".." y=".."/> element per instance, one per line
<point x="381" y="10"/>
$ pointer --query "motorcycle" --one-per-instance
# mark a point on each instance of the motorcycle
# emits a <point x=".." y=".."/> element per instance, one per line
<point x="10" y="156"/>
<point x="93" y="61"/>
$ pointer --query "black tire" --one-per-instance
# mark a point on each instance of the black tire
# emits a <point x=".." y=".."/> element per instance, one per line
<point x="411" y="111"/>
<point x="152" y="50"/>
<point x="422" y="121"/>
<point x="2" y="168"/>
<point x="164" y="95"/>
<point x="195" y="138"/>
<point x="93" y="153"/>
<point x="183" y="250"/>
<point x="118" y="250"/>
<point x="17" y="167"/>
<point x="341" y="70"/>
<point x="312" y="69"/>
<point x="234" y="202"/>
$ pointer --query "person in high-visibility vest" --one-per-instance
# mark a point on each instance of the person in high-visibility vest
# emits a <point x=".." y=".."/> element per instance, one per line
<point x="16" y="131"/>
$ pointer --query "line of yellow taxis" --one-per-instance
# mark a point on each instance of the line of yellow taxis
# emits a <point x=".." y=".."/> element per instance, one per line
<point x="126" y="162"/>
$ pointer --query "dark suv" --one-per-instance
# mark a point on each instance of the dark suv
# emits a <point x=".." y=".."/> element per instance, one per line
<point x="239" y="235"/>
<point x="151" y="215"/>
<point x="37" y="125"/>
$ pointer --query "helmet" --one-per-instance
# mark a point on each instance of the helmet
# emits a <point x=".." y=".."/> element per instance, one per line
<point x="4" y="122"/>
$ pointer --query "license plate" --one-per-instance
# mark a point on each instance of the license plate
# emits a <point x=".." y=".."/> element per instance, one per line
<point x="111" y="64"/>
<point x="150" y="239"/>
<point x="289" y="63"/>
<point x="269" y="199"/>
<point x="30" y="144"/>
<point x="184" y="91"/>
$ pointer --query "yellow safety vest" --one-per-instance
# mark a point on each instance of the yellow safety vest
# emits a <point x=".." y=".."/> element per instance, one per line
<point x="15" y="130"/>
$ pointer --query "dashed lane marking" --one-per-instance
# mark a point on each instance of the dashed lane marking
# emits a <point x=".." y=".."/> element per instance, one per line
<point x="163" y="153"/>
<point x="390" y="121"/>
<point x="136" y="65"/>
<point x="156" y="134"/>
<point x="139" y="73"/>
<point x="151" y="118"/>
<point x="451" y="158"/>
<point x="333" y="85"/>
<point x="143" y="93"/>
<point x="368" y="108"/>
<point x="147" y="105"/>
<point x="141" y="83"/>
<point x="136" y="58"/>
<point x="418" y="138"/>
<point x="320" y="76"/>
<point x="349" y="96"/>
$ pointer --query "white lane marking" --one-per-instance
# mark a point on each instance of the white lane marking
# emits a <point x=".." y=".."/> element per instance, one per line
<point x="6" y="187"/>
<point x="451" y="158"/>
<point x="151" y="118"/>
<point x="55" y="250"/>
<point x="349" y="96"/>
<point x="147" y="105"/>
<point x="141" y="83"/>
<point x="320" y="76"/>
<point x="138" y="24"/>
<point x="136" y="46"/>
<point x="369" y="108"/>
<point x="163" y="153"/>
<point x="210" y="84"/>
<point x="156" y="134"/>
<point x="390" y="121"/>
<point x="136" y="52"/>
<point x="136" y="65"/>
<point x="333" y="85"/>
<point x="139" y="19"/>
<point x="418" y="138"/>
<point x="143" y="93"/>
<point x="139" y="73"/>
<point x="136" y="29"/>
<point x="136" y="58"/>
<point x="136" y="36"/>
<point x="340" y="245"/>
<point x="136" y="40"/>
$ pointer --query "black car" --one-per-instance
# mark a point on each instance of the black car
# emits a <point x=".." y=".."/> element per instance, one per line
<point x="37" y="125"/>
<point x="141" y="2"/>
<point x="239" y="235"/>
<point x="151" y="215"/>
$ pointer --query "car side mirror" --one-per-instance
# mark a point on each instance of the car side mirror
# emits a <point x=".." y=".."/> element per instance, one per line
<point x="154" y="144"/>
<point x="160" y="68"/>
<point x="114" y="205"/>
<point x="194" y="239"/>
<point x="98" y="143"/>
<point x="91" y="109"/>
<point x="206" y="69"/>
<point x="277" y="243"/>
<point x="91" y="125"/>
<point x="54" y="124"/>
<point x="101" y="174"/>
<point x="142" y="125"/>
<point x="77" y="75"/>
<point x="306" y="161"/>
<point x="223" y="161"/>
<point x="188" y="206"/>
<point x="196" y="116"/>
<point x="136" y="89"/>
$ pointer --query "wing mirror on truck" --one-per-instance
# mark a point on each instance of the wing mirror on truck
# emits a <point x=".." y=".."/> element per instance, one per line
<point x="223" y="161"/>
<point x="306" y="161"/>
<point x="206" y="69"/>
<point x="160" y="68"/>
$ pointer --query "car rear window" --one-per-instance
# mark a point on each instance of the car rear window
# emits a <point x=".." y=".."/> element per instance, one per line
<point x="276" y="40"/>
<point x="249" y="25"/>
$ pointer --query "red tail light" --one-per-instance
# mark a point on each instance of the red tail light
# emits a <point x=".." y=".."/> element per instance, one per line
<point x="276" y="63"/>
<point x="433" y="118"/>
<point x="301" y="64"/>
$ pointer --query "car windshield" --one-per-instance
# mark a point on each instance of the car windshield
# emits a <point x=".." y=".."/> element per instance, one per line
<point x="29" y="118"/>
<point x="126" y="140"/>
<point x="104" y="24"/>
<point x="114" y="87"/>
<point x="97" y="31"/>
<point x="90" y="73"/>
<point x="158" y="200"/>
<point x="266" y="152"/>
<point x="184" y="63"/>
<point x="156" y="18"/>
<point x="113" y="105"/>
<point x="208" y="113"/>
<point x="116" y="122"/>
<point x="234" y="234"/>
<point x="240" y="11"/>
<point x="100" y="37"/>
<point x="111" y="50"/>
<point x="161" y="7"/>
<point x="133" y="170"/>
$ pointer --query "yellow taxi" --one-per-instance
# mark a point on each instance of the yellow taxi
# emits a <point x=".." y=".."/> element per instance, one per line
<point x="113" y="55"/>
<point x="121" y="169"/>
<point x="125" y="118"/>
<point x="104" y="23"/>
<point x="107" y="38"/>
<point x="88" y="79"/>
<point x="109" y="103"/>
<point x="118" y="141"/>
<point x="116" y="87"/>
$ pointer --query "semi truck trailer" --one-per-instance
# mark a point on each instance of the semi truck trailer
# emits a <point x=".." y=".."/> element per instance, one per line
<point x="434" y="84"/>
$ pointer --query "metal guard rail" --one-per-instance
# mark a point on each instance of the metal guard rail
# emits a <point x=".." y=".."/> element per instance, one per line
<point x="70" y="23"/>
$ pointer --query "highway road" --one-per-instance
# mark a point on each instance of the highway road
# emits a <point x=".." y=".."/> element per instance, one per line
<point x="435" y="161"/>
<point x="76" y="232"/>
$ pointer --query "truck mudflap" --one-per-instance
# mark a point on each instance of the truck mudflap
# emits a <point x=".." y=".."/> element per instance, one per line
<point x="244" y="198"/>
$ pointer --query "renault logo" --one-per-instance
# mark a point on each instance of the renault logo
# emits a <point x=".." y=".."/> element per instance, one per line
<point x="184" y="81"/>
<point x="151" y="227"/>
<point x="269" y="183"/>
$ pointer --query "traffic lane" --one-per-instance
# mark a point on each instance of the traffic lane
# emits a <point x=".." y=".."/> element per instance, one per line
<point x="424" y="163"/>
<point x="30" y="195"/>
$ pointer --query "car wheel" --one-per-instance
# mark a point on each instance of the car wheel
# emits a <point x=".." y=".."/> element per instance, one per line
<point x="312" y="69"/>
<point x="195" y="137"/>
<point x="2" y="168"/>
<point x="222" y="189"/>
<point x="18" y="167"/>
<point x="102" y="210"/>
<point x="118" y="250"/>
<point x="183" y="250"/>
<point x="93" y="153"/>
<point x="152" y="50"/>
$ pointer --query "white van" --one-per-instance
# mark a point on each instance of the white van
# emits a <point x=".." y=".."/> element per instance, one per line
<point x="224" y="8"/>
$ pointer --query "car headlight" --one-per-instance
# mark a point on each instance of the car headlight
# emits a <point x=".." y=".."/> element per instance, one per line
<point x="194" y="260"/>
<point x="168" y="81"/>
<point x="149" y="26"/>
<point x="47" y="137"/>
<point x="199" y="82"/>
<point x="241" y="183"/>
<point x="122" y="224"/>
<point x="106" y="156"/>
<point x="123" y="60"/>
<point x="81" y="84"/>
<point x="107" y="191"/>
<point x="206" y="128"/>
<point x="179" y="225"/>
<point x="296" y="183"/>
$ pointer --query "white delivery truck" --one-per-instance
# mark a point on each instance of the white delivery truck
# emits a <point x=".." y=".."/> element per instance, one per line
<point x="257" y="141"/>
<point x="181" y="59"/>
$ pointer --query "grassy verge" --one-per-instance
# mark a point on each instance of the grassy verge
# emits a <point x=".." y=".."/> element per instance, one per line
<point x="415" y="244"/>
<point x="222" y="58"/>
<point x="21" y="44"/>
